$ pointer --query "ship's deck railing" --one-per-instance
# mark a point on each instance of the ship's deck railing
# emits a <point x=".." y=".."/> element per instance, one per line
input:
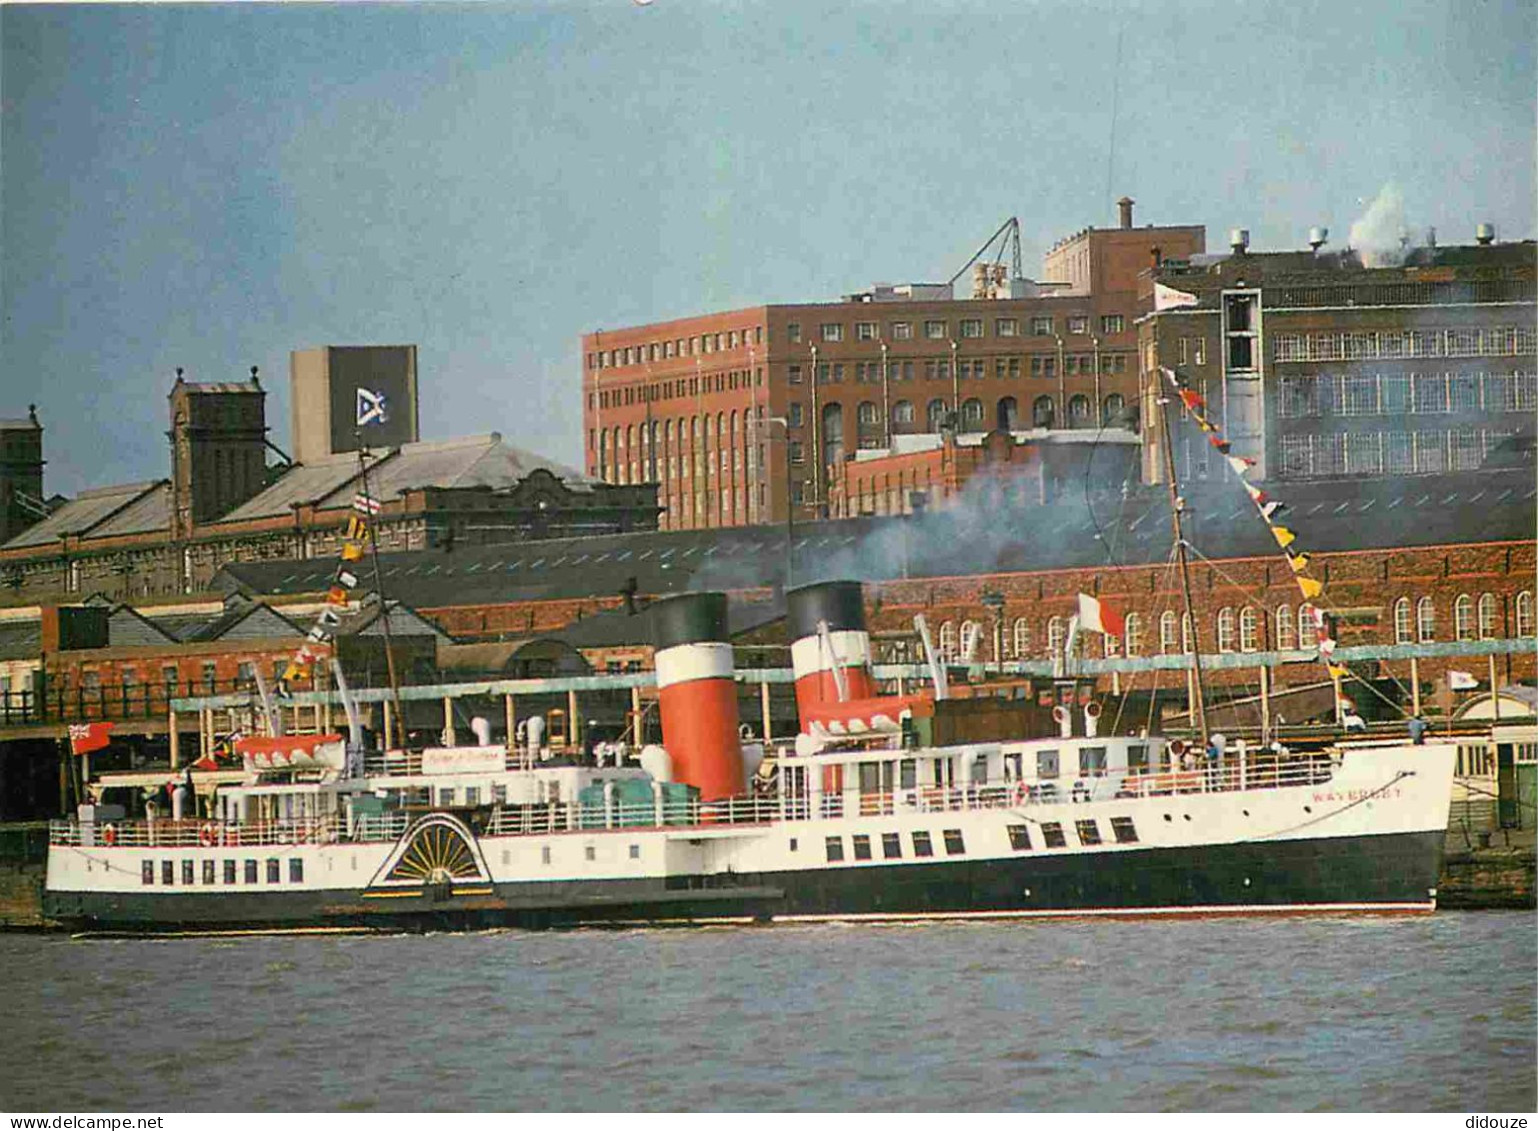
<point x="560" y="817"/>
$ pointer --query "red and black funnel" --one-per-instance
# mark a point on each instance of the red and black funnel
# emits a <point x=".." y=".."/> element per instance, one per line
<point x="698" y="692"/>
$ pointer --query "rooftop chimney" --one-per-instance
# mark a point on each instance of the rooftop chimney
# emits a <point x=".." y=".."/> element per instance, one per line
<point x="1318" y="237"/>
<point x="1239" y="240"/>
<point x="1484" y="235"/>
<point x="1125" y="206"/>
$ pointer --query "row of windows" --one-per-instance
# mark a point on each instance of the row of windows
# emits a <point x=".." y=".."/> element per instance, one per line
<point x="938" y="329"/>
<point x="892" y="846"/>
<point x="1088" y="831"/>
<point x="1239" y="629"/>
<point x="1425" y="452"/>
<point x="1376" y="345"/>
<point x="679" y="388"/>
<point x="967" y="369"/>
<point x="676" y="347"/>
<point x="1375" y="394"/>
<point x="210" y="868"/>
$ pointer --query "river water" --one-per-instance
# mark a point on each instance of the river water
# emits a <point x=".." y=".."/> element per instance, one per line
<point x="1332" y="1014"/>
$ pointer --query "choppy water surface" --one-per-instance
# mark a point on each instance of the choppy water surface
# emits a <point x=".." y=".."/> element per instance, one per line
<point x="1328" y="1014"/>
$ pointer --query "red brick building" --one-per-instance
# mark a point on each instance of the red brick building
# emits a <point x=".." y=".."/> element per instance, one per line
<point x="732" y="413"/>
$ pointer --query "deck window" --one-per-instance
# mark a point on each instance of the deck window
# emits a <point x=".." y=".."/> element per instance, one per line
<point x="147" y="872"/>
<point x="1052" y="835"/>
<point x="187" y="874"/>
<point x="861" y="846"/>
<point x="1019" y="838"/>
<point x="1137" y="758"/>
<point x="908" y="773"/>
<point x="296" y="870"/>
<point x="168" y="872"/>
<point x="208" y="871"/>
<point x="892" y="846"/>
<point x="1092" y="761"/>
<point x="229" y="871"/>
<point x="1089" y="831"/>
<point x="1046" y="763"/>
<point x="472" y="795"/>
<point x="446" y="795"/>
<point x="635" y="852"/>
<point x="1124" y="830"/>
<point x="954" y="845"/>
<point x="274" y="875"/>
<point x="499" y="795"/>
<point x="835" y="846"/>
<point x="922" y="845"/>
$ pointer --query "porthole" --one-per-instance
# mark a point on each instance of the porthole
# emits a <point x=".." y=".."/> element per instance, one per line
<point x="1308" y="808"/>
<point x="1167" y="817"/>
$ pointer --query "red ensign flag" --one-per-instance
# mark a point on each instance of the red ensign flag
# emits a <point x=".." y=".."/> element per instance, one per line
<point x="86" y="737"/>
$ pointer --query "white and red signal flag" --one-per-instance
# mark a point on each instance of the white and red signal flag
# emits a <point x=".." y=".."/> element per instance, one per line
<point x="86" y="737"/>
<point x="1097" y="616"/>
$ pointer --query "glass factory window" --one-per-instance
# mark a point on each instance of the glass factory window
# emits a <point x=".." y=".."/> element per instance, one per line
<point x="971" y="327"/>
<point x="832" y="331"/>
<point x="793" y="331"/>
<point x="1006" y="327"/>
<point x="1112" y="323"/>
<point x="902" y="331"/>
<point x="1041" y="325"/>
<point x="1078" y="324"/>
<point x="865" y="331"/>
<point x="934" y="330"/>
<point x="1426" y="620"/>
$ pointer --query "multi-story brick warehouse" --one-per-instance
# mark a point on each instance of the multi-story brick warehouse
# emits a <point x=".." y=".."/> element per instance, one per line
<point x="734" y="413"/>
<point x="1330" y="365"/>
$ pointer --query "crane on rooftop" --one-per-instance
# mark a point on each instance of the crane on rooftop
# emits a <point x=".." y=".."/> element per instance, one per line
<point x="1005" y="240"/>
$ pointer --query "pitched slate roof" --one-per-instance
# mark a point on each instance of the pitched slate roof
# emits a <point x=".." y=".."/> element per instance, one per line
<point x="473" y="461"/>
<point x="124" y="505"/>
<point x="992" y="535"/>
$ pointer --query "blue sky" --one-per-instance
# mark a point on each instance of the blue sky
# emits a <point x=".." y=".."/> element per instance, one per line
<point x="212" y="186"/>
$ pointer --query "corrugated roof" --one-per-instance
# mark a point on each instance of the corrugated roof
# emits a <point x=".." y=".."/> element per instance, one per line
<point x="472" y="461"/>
<point x="150" y="512"/>
<point x="83" y="512"/>
<point x="1077" y="531"/>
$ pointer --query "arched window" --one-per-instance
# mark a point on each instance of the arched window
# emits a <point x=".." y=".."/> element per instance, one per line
<point x="1042" y="412"/>
<point x="971" y="638"/>
<point x="720" y="425"/>
<point x="1226" y="630"/>
<point x="972" y="413"/>
<point x="1134" y="635"/>
<point x="694" y="426"/>
<point x="1055" y="637"/>
<point x="1111" y="410"/>
<point x="1187" y="634"/>
<point x="1166" y="633"/>
<point x="1310" y="621"/>
<point x="934" y="415"/>
<point x="628" y="440"/>
<point x="1463" y="617"/>
<point x="1022" y="638"/>
<point x="1489" y="611"/>
<point x="902" y="412"/>
<point x="1426" y="620"/>
<point x="868" y="413"/>
<point x="667" y="431"/>
<point x="1403" y="629"/>
<point x="948" y="641"/>
<point x="1286" y="640"/>
<point x="1078" y="411"/>
<point x="1249" y="630"/>
<point x="1525" y="613"/>
<point x="734" y="422"/>
<point x="1007" y="413"/>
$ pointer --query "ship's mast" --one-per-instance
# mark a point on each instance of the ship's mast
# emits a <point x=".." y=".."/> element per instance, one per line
<point x="1177" y="506"/>
<point x="384" y="608"/>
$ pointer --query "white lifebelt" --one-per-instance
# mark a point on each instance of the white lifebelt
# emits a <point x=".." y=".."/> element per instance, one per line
<point x="109" y="835"/>
<point x="206" y="836"/>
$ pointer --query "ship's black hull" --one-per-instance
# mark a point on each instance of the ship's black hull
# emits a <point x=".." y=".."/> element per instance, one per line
<point x="1393" y="873"/>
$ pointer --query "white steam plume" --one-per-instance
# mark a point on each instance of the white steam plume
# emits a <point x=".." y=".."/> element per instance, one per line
<point x="1378" y="235"/>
